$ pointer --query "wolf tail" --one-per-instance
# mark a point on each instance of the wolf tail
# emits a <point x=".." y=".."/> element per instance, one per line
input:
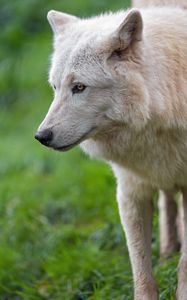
<point x="144" y="3"/>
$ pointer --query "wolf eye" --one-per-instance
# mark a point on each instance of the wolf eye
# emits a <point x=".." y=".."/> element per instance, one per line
<point x="54" y="86"/>
<point x="78" y="88"/>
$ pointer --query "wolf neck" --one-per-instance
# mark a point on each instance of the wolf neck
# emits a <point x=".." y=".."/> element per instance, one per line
<point x="123" y="145"/>
<point x="143" y="153"/>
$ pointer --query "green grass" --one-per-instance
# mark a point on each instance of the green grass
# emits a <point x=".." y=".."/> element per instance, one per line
<point x="60" y="233"/>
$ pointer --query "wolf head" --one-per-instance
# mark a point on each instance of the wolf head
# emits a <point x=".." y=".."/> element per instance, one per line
<point x="96" y="78"/>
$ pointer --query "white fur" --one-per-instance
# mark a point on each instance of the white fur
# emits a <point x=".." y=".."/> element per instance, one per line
<point x="141" y="3"/>
<point x="133" y="113"/>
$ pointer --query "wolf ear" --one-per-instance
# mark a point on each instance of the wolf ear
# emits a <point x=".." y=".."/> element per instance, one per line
<point x="131" y="28"/>
<point x="58" y="20"/>
<point x="127" y="34"/>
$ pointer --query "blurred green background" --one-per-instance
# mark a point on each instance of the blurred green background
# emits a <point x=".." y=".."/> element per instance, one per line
<point x="60" y="233"/>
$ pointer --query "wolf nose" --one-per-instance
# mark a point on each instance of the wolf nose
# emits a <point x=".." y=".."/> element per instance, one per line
<point x="44" y="136"/>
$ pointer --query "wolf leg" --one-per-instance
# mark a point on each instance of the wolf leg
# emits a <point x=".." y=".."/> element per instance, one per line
<point x="182" y="268"/>
<point x="167" y="223"/>
<point x="180" y="218"/>
<point x="135" y="207"/>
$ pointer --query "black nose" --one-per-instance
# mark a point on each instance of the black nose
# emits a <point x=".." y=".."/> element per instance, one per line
<point x="44" y="137"/>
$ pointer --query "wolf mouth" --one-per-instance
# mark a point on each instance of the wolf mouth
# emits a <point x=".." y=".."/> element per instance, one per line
<point x="70" y="146"/>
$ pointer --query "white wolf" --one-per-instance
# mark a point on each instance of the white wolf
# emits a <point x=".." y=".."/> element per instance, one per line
<point x="120" y="89"/>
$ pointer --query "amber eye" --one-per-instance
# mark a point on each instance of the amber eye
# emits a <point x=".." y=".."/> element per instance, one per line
<point x="78" y="88"/>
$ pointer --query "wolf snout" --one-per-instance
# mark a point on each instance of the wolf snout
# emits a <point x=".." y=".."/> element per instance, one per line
<point x="45" y="137"/>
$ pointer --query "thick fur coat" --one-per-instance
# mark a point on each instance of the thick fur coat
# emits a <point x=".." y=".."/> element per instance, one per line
<point x="120" y="90"/>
